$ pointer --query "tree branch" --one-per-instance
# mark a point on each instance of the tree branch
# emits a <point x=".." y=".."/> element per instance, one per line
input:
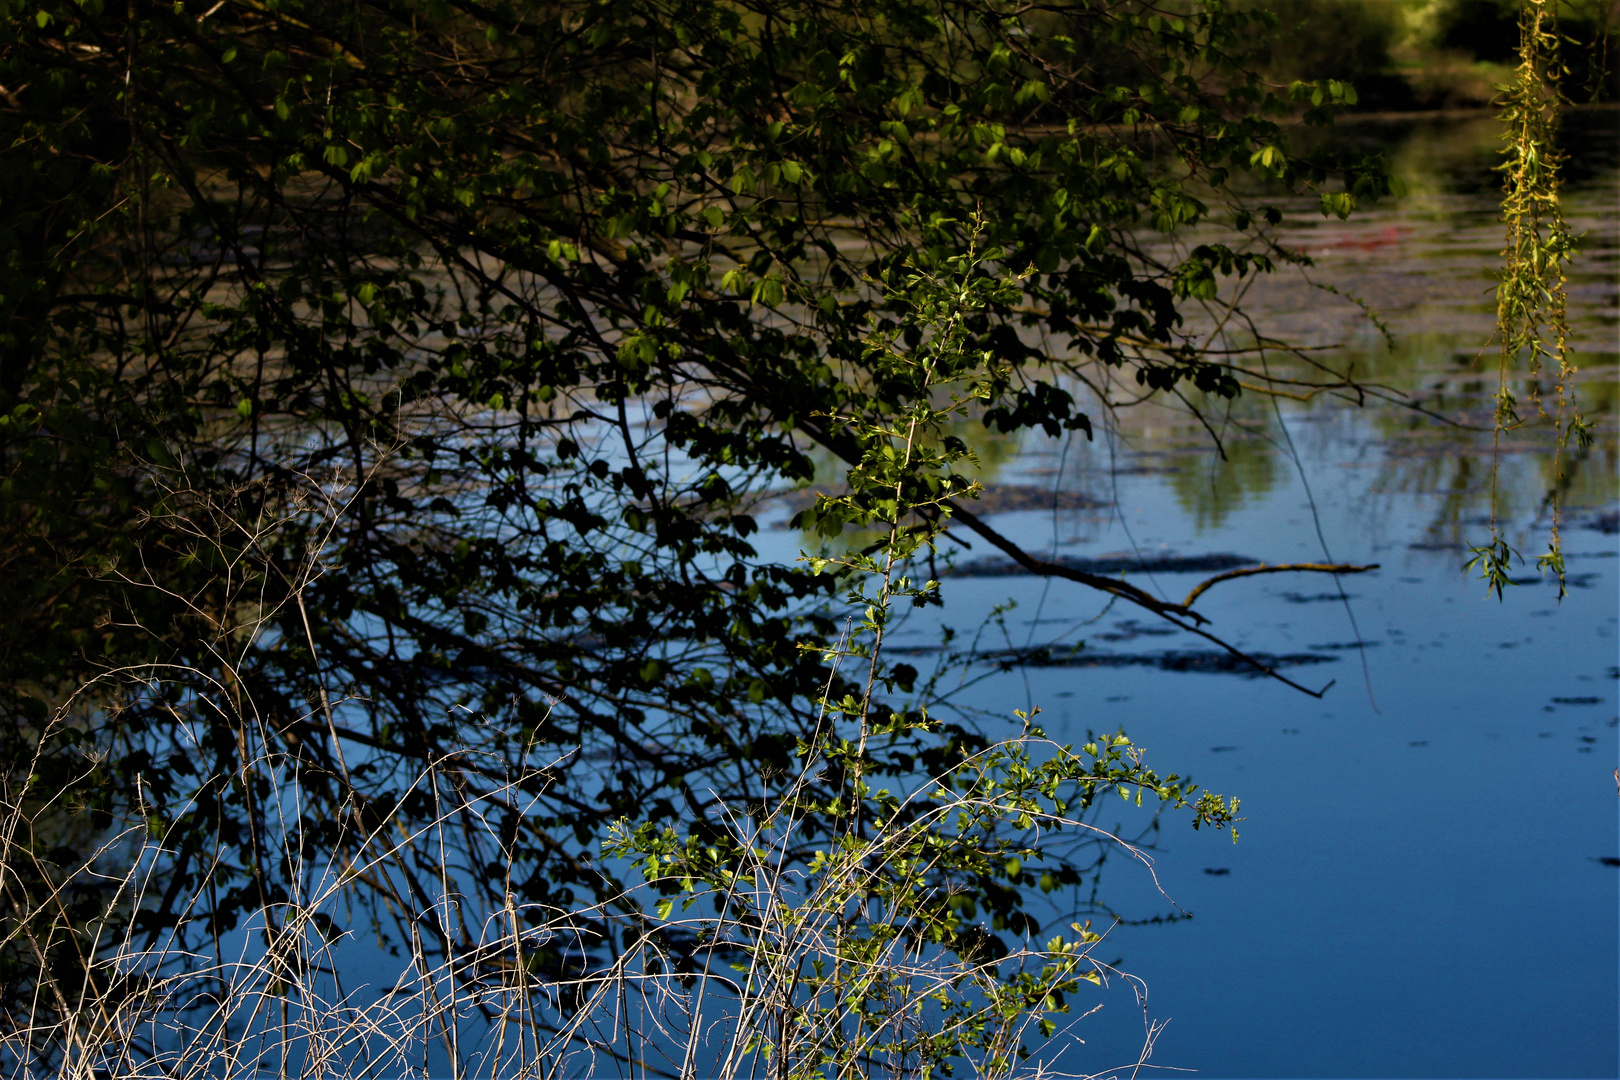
<point x="1042" y="568"/>
<point x="1246" y="571"/>
<point x="1125" y="590"/>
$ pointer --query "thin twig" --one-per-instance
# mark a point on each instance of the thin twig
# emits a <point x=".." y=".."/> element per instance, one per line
<point x="1278" y="568"/>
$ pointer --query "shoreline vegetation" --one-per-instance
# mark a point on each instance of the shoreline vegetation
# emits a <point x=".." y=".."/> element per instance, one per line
<point x="386" y="393"/>
<point x="1439" y="56"/>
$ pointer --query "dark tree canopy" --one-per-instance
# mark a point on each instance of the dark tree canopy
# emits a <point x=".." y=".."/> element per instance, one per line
<point x="458" y="342"/>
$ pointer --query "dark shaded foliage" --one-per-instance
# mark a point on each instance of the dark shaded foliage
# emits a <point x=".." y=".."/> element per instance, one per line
<point x="397" y="378"/>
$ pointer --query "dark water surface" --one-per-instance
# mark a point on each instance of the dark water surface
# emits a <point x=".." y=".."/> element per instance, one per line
<point x="1425" y="884"/>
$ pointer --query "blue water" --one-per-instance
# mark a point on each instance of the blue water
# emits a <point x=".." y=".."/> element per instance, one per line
<point x="1420" y="887"/>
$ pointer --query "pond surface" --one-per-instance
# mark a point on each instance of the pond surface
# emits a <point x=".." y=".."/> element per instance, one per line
<point x="1426" y="882"/>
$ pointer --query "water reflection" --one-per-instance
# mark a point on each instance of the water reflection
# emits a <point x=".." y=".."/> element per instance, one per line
<point x="1425" y="266"/>
<point x="1446" y="809"/>
<point x="1431" y="847"/>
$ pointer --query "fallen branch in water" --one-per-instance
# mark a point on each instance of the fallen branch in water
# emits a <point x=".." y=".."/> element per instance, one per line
<point x="1043" y="568"/>
<point x="1320" y="568"/>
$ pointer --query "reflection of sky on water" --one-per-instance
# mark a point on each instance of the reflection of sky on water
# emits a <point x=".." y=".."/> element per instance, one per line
<point x="1420" y="887"/>
<point x="1407" y="877"/>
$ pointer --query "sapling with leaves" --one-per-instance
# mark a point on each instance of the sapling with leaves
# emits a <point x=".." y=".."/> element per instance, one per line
<point x="909" y="466"/>
<point x="847" y="935"/>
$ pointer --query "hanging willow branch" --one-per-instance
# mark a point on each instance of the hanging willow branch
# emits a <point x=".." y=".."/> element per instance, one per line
<point x="1531" y="317"/>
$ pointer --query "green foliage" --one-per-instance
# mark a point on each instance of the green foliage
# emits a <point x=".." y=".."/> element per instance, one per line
<point x="1531" y="325"/>
<point x="1491" y="30"/>
<point x="1330" y="39"/>
<point x="875" y="954"/>
<point x="368" y="367"/>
